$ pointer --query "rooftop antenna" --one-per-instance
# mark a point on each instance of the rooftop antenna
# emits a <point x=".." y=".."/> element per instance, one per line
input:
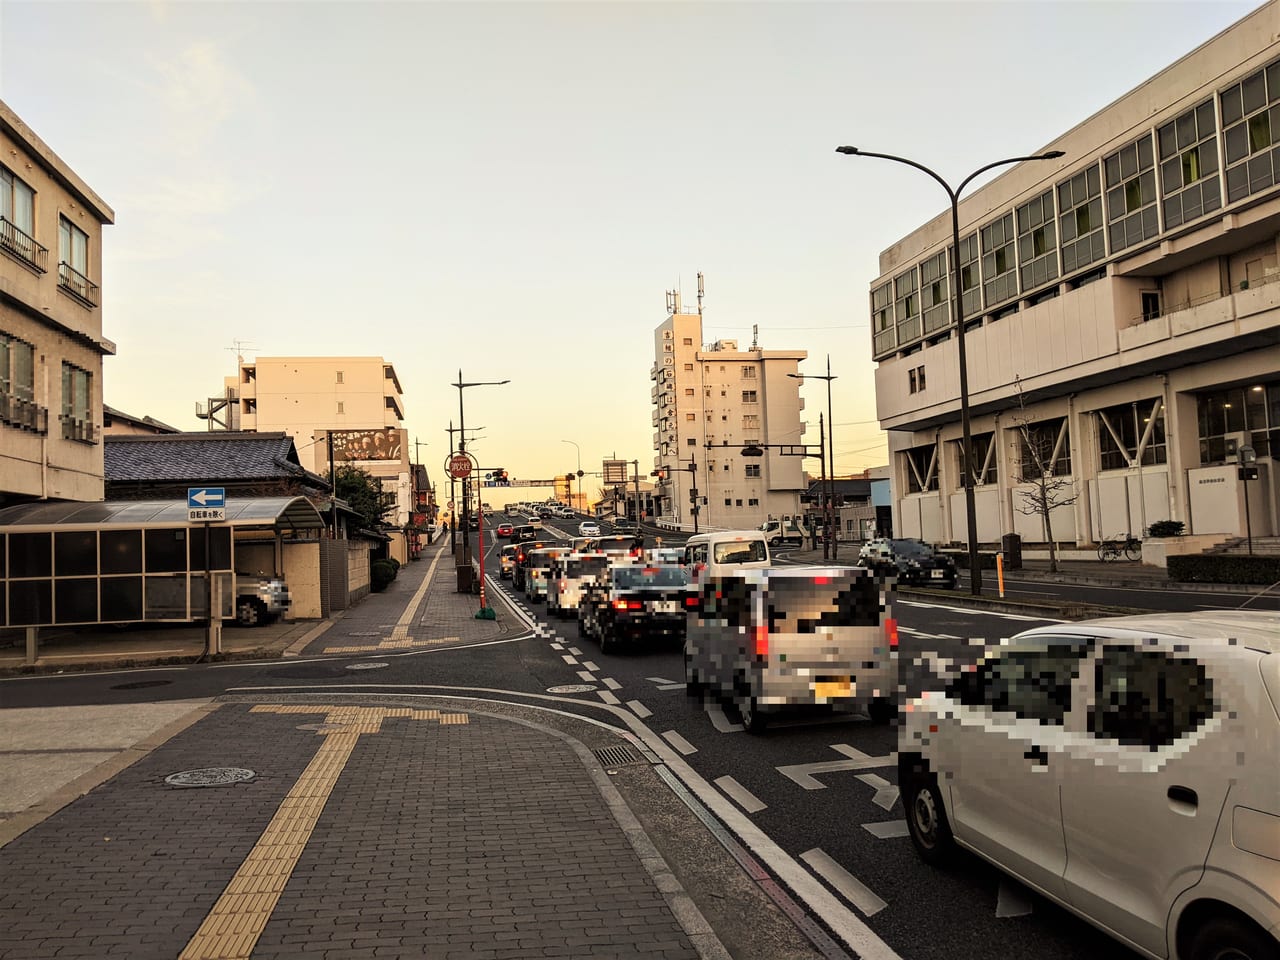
<point x="238" y="349"/>
<point x="755" y="336"/>
<point x="700" y="292"/>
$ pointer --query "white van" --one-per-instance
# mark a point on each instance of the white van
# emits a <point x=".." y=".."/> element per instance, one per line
<point x="715" y="554"/>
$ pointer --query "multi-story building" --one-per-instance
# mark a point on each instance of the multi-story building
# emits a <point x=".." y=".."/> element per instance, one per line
<point x="51" y="342"/>
<point x="1122" y="319"/>
<point x="709" y="400"/>
<point x="336" y="409"/>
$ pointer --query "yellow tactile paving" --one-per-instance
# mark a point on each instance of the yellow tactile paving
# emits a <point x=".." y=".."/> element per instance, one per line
<point x="233" y="926"/>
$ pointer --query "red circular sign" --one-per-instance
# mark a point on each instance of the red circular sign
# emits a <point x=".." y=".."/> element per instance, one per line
<point x="460" y="466"/>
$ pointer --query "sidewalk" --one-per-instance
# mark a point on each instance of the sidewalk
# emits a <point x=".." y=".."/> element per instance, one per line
<point x="331" y="826"/>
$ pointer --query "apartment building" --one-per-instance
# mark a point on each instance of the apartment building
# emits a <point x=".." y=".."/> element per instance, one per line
<point x="51" y="342"/>
<point x="709" y="400"/>
<point x="352" y="406"/>
<point x="1122" y="319"/>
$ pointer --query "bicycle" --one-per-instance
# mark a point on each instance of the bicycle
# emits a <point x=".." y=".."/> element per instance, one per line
<point x="1130" y="547"/>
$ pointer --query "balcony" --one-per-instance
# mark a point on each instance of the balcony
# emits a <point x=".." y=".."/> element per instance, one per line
<point x="24" y="414"/>
<point x="73" y="428"/>
<point x="77" y="284"/>
<point x="22" y="247"/>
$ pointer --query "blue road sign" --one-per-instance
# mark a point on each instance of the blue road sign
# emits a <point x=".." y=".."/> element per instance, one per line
<point x="200" y="497"/>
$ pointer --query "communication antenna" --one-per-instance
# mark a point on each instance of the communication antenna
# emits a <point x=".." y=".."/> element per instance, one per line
<point x="755" y="336"/>
<point x="238" y="349"/>
<point x="700" y="292"/>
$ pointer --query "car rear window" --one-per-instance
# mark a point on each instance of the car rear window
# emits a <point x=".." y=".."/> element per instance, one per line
<point x="741" y="551"/>
<point x="635" y="577"/>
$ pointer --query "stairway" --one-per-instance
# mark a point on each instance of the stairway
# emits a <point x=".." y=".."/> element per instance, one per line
<point x="1262" y="546"/>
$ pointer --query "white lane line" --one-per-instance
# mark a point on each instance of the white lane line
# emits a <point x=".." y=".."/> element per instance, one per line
<point x="680" y="743"/>
<point x="588" y="665"/>
<point x="568" y="659"/>
<point x="719" y="720"/>
<point x="1013" y="900"/>
<point x="608" y="697"/>
<point x="671" y="686"/>
<point x="846" y="884"/>
<point x="575" y="651"/>
<point x="586" y="676"/>
<point x="659" y="680"/>
<point x="557" y="646"/>
<point x="639" y="709"/>
<point x="887" y="829"/>
<point x="993" y="613"/>
<point x="611" y="683"/>
<point x="740" y="795"/>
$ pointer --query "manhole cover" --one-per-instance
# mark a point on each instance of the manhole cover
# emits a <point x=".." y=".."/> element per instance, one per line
<point x="616" y="756"/>
<point x="141" y="684"/>
<point x="572" y="688"/>
<point x="209" y="777"/>
<point x="366" y="665"/>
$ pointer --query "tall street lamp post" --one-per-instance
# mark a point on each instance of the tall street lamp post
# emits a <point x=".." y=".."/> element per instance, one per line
<point x="462" y="448"/>
<point x="969" y="461"/>
<point x="577" y="505"/>
<point x="831" y="541"/>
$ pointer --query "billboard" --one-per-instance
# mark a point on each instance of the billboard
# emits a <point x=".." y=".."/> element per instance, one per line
<point x="380" y="444"/>
<point x="615" y="471"/>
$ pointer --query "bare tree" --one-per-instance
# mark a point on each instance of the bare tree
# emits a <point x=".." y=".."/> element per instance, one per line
<point x="1043" y="462"/>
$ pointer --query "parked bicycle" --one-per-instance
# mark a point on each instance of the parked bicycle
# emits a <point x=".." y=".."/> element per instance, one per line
<point x="1129" y="547"/>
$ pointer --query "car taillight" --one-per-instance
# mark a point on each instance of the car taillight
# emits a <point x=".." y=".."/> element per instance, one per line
<point x="691" y="602"/>
<point x="891" y="631"/>
<point x="628" y="605"/>
<point x="762" y="641"/>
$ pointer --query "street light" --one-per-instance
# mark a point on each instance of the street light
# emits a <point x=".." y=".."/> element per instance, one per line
<point x="579" y="450"/>
<point x="968" y="464"/>
<point x="830" y="543"/>
<point x="466" y="490"/>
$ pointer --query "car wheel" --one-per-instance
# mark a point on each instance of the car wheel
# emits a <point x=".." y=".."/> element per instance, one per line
<point x="1230" y="938"/>
<point x="692" y="685"/>
<point x="881" y="710"/>
<point x="926" y="816"/>
<point x="753" y="721"/>
<point x="608" y="640"/>
<point x="250" y="613"/>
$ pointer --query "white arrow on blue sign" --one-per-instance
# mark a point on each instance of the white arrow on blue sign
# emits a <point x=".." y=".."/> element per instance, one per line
<point x="198" y="497"/>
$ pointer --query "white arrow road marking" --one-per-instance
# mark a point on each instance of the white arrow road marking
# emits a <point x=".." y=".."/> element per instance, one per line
<point x="640" y="709"/>
<point x="741" y="795"/>
<point x="846" y="884"/>
<point x="679" y="742"/>
<point x="1013" y="899"/>
<point x="887" y="829"/>
<point x="886" y="793"/>
<point x="611" y="683"/>
<point x="719" y="720"/>
<point x="671" y="686"/>
<point x="803" y="773"/>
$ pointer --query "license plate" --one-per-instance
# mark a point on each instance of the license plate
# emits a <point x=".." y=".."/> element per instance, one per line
<point x="936" y="574"/>
<point x="665" y="606"/>
<point x="833" y="688"/>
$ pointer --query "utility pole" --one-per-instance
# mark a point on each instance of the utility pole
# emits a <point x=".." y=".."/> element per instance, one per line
<point x="693" y="493"/>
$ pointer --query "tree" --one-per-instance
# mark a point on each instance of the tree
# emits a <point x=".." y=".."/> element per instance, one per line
<point x="363" y="494"/>
<point x="1043" y="462"/>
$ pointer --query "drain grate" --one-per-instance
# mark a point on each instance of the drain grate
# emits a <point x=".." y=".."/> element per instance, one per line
<point x="617" y="756"/>
<point x="141" y="684"/>
<point x="209" y="777"/>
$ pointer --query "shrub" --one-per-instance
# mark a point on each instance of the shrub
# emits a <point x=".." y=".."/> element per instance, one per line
<point x="1224" y="568"/>
<point x="381" y="574"/>
<point x="1166" y="528"/>
<point x="395" y="563"/>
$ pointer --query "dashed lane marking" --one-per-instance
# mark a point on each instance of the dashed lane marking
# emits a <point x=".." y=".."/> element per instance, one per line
<point x="845" y="883"/>
<point x="992" y="613"/>
<point x="608" y="698"/>
<point x="887" y="829"/>
<point x="575" y="651"/>
<point x="588" y="665"/>
<point x="740" y="795"/>
<point x="639" y="709"/>
<point x="586" y="676"/>
<point x="569" y="659"/>
<point x="611" y="683"/>
<point x="405" y="644"/>
<point x="680" y="743"/>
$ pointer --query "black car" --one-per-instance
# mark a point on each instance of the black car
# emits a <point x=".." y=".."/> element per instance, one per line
<point x="524" y="532"/>
<point x="635" y="603"/>
<point x="521" y="567"/>
<point x="911" y="562"/>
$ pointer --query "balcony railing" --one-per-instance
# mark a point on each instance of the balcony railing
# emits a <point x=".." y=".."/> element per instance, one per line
<point x="77" y="284"/>
<point x="23" y="247"/>
<point x="25" y="414"/>
<point x="73" y="428"/>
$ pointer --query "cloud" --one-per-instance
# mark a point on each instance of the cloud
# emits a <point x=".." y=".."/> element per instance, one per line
<point x="199" y="91"/>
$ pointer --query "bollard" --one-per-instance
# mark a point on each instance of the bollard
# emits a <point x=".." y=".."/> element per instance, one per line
<point x="1000" y="572"/>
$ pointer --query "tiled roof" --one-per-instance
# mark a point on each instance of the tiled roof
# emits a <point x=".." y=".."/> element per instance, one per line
<point x="202" y="457"/>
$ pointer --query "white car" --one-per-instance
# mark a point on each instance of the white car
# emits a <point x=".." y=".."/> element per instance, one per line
<point x="588" y="528"/>
<point x="1125" y="768"/>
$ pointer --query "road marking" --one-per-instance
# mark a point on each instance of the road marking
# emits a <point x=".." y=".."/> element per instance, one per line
<point x="239" y="916"/>
<point x="608" y="698"/>
<point x="886" y="793"/>
<point x="1013" y="899"/>
<point x="588" y="665"/>
<point x="575" y="651"/>
<point x="671" y="686"/>
<point x="568" y="659"/>
<point x="557" y="646"/>
<point x="887" y="829"/>
<point x="846" y="884"/>
<point x="719" y="720"/>
<point x="611" y="683"/>
<point x="399" y="644"/>
<point x="680" y="743"/>
<point x="740" y="795"/>
<point x="803" y="773"/>
<point x="587" y="676"/>
<point x="659" y="680"/>
<point x="639" y="709"/>
<point x="991" y="613"/>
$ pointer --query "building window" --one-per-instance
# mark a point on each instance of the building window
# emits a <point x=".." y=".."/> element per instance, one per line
<point x="1189" y="165"/>
<point x="1044" y="449"/>
<point x="1150" y="305"/>
<point x="935" y="294"/>
<point x="921" y="464"/>
<point x="18" y="385"/>
<point x="688" y="391"/>
<point x="748" y="373"/>
<point x="1126" y="431"/>
<point x="17" y="220"/>
<point x="913" y="386"/>
<point x="339" y="374"/>
<point x="753" y="502"/>
<point x="1080" y="219"/>
<point x="687" y="341"/>
<point x="751" y="421"/>
<point x="77" y="411"/>
<point x="688" y="366"/>
<point x="970" y="292"/>
<point x="739" y="503"/>
<point x="73" y="262"/>
<point x="1037" y="241"/>
<point x="984" y="465"/>
<point x="920" y="376"/>
<point x="1252" y="410"/>
<point x="691" y="416"/>
<point x="906" y="306"/>
<point x="691" y="442"/>
<point x="1250" y="126"/>
<point x="884" y="337"/>
<point x="341" y="407"/>
<point x="750" y="396"/>
<point x="728" y="501"/>
<point x="999" y="270"/>
<point x="752" y="471"/>
<point x="1131" y="194"/>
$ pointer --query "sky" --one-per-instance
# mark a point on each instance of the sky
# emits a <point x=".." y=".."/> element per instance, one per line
<point x="510" y="189"/>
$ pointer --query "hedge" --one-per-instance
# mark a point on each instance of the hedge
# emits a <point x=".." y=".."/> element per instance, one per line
<point x="1225" y="568"/>
<point x="381" y="574"/>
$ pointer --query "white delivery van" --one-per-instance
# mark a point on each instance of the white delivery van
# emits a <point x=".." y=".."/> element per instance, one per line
<point x="714" y="554"/>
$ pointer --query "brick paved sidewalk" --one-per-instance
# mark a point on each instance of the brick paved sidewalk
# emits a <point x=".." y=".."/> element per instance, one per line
<point x="364" y="831"/>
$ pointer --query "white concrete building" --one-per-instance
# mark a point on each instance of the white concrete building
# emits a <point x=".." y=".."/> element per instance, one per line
<point x="708" y="401"/>
<point x="1127" y="291"/>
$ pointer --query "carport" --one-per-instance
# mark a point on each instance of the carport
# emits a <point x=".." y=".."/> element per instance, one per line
<point x="135" y="561"/>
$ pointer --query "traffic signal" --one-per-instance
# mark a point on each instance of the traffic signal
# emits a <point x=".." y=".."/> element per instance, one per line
<point x="753" y="451"/>
<point x="505" y="479"/>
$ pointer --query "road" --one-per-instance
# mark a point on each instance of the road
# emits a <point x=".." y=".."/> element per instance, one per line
<point x="815" y="797"/>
